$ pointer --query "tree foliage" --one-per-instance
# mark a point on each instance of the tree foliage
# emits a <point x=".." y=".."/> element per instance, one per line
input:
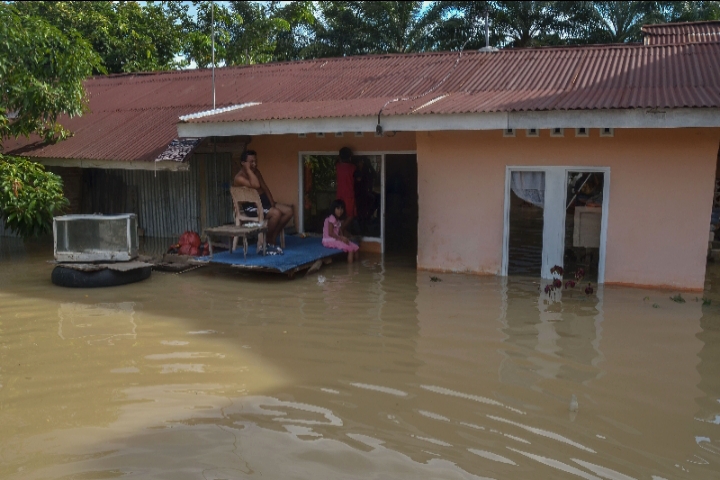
<point x="357" y="28"/>
<point x="128" y="36"/>
<point x="41" y="75"/>
<point x="137" y="36"/>
<point x="29" y="196"/>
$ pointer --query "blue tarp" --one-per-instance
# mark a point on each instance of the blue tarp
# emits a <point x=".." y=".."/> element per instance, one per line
<point x="298" y="251"/>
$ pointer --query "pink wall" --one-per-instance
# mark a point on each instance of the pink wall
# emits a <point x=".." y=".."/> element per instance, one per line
<point x="660" y="198"/>
<point x="278" y="155"/>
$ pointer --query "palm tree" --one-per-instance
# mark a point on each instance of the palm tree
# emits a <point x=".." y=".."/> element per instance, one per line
<point x="356" y="28"/>
<point x="619" y="22"/>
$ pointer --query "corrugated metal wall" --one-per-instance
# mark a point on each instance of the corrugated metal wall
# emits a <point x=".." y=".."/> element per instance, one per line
<point x="218" y="175"/>
<point x="167" y="203"/>
<point x="5" y="232"/>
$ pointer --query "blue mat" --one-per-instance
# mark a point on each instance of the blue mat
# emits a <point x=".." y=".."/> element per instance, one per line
<point x="298" y="251"/>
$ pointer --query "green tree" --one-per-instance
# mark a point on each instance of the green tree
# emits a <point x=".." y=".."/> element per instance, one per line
<point x="255" y="38"/>
<point x="511" y="24"/>
<point x="198" y="34"/>
<point x="461" y="25"/>
<point x="530" y="24"/>
<point x="41" y="75"/>
<point x="294" y="44"/>
<point x="358" y="28"/>
<point x="689" y="11"/>
<point x="616" y="22"/>
<point x="29" y="196"/>
<point x="41" y="78"/>
<point x="128" y="36"/>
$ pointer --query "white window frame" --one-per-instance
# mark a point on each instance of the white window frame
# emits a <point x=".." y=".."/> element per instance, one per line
<point x="382" y="154"/>
<point x="553" y="176"/>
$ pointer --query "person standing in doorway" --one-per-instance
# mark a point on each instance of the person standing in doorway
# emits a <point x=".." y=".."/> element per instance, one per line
<point x="345" y="185"/>
<point x="278" y="214"/>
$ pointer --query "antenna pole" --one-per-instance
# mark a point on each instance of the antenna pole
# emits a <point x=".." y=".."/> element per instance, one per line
<point x="487" y="28"/>
<point x="212" y="27"/>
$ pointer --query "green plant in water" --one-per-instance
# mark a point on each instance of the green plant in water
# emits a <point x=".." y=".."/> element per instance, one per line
<point x="677" y="298"/>
<point x="29" y="196"/>
<point x="706" y="301"/>
<point x="655" y="305"/>
<point x="435" y="279"/>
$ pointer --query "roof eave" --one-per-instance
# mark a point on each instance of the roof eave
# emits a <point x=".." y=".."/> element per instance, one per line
<point x="616" y="118"/>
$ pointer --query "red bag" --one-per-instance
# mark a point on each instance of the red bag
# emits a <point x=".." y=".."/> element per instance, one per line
<point x="190" y="238"/>
<point x="185" y="249"/>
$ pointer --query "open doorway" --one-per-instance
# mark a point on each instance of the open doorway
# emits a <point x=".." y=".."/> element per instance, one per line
<point x="319" y="184"/>
<point x="385" y="197"/>
<point x="401" y="204"/>
<point x="319" y="177"/>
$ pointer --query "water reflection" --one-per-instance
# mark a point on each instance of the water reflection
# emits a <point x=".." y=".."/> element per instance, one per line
<point x="375" y="371"/>
<point x="549" y="336"/>
<point x="97" y="323"/>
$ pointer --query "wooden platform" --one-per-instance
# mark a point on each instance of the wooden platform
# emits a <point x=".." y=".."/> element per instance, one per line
<point x="300" y="254"/>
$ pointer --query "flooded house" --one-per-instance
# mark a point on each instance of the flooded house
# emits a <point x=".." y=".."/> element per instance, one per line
<point x="595" y="157"/>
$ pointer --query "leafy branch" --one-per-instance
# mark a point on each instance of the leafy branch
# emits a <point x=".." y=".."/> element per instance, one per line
<point x="29" y="196"/>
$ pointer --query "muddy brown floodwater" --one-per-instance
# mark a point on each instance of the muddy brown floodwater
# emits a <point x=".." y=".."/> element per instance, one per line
<point x="363" y="371"/>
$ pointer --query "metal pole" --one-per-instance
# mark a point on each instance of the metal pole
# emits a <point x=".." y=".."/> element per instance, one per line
<point x="487" y="28"/>
<point x="212" y="28"/>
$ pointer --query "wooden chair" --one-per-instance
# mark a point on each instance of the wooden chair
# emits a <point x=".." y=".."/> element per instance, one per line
<point x="242" y="195"/>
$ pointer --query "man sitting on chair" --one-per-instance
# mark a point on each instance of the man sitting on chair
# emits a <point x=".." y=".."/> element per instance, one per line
<point x="277" y="214"/>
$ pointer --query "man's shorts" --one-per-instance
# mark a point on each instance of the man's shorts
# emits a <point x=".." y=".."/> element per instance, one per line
<point x="250" y="209"/>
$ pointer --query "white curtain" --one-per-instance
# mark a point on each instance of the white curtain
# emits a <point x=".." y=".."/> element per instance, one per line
<point x="529" y="186"/>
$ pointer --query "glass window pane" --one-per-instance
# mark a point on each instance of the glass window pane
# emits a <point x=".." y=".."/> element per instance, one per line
<point x="583" y="218"/>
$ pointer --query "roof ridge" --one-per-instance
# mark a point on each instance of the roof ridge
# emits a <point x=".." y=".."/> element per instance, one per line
<point x="200" y="72"/>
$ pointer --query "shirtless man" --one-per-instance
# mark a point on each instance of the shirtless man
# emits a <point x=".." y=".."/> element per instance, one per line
<point x="277" y="214"/>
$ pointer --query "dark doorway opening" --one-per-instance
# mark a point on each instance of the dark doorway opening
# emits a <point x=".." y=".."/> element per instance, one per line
<point x="401" y="204"/>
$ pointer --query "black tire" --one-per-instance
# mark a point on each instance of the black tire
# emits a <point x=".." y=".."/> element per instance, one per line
<point x="67" y="277"/>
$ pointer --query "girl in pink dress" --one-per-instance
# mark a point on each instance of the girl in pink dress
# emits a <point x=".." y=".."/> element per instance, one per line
<point x="332" y="238"/>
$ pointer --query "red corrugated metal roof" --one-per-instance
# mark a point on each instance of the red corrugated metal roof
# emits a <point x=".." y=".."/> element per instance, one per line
<point x="676" y="33"/>
<point x="134" y="116"/>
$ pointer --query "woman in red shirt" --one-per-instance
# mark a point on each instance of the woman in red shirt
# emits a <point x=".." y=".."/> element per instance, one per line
<point x="345" y="185"/>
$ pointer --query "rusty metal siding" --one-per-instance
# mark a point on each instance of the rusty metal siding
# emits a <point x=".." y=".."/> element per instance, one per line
<point x="166" y="203"/>
<point x="218" y="178"/>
